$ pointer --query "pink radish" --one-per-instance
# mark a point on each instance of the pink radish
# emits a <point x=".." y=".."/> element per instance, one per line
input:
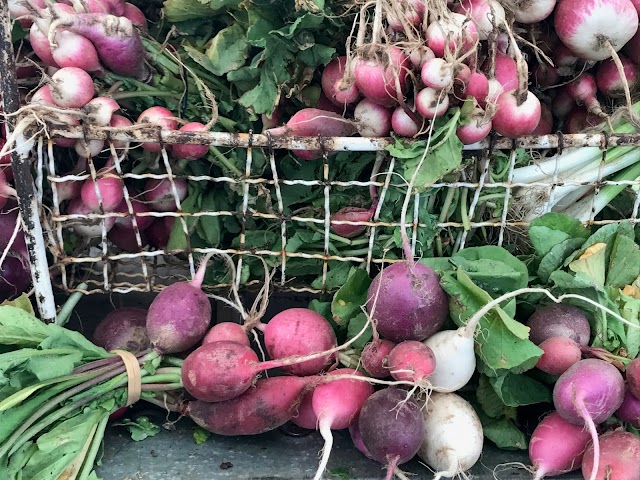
<point x="411" y="361"/>
<point x="324" y="103"/>
<point x="42" y="96"/>
<point x="376" y="78"/>
<point x="546" y="75"/>
<point x="160" y="231"/>
<point x="74" y="50"/>
<point x="374" y="357"/>
<point x="306" y="417"/>
<point x="506" y="72"/>
<point x="190" y="151"/>
<point x="632" y="48"/>
<point x="352" y="214"/>
<point x="136" y="16"/>
<point x="402" y="124"/>
<point x="431" y="103"/>
<point x="562" y="104"/>
<point x="337" y="405"/>
<point x="632" y="373"/>
<point x="100" y="110"/>
<point x="455" y="32"/>
<point x="180" y="314"/>
<point x="71" y="87"/>
<point x="617" y="459"/>
<point x="371" y="119"/>
<point x="565" y="60"/>
<point x="115" y="39"/>
<point x="629" y="411"/>
<point x="580" y="120"/>
<point x="545" y="125"/>
<point x="608" y="77"/>
<point x="594" y="30"/>
<point x="143" y="222"/>
<point x="530" y="11"/>
<point x="516" y="117"/>
<point x="485" y="13"/>
<point x="557" y="446"/>
<point x="125" y="239"/>
<point x="158" y="117"/>
<point x="87" y="228"/>
<point x="110" y="190"/>
<point x="559" y="354"/>
<point x="583" y="91"/>
<point x="477" y="129"/>
<point x="88" y="149"/>
<point x="227" y="331"/>
<point x="495" y="90"/>
<point x="118" y="121"/>
<point x="406" y="15"/>
<point x="160" y="196"/>
<point x="299" y="332"/>
<point x="477" y="87"/>
<point x="587" y="394"/>
<point x="332" y="78"/>
<point x="437" y="73"/>
<point x="420" y="54"/>
<point x="40" y="45"/>
<point x="311" y="122"/>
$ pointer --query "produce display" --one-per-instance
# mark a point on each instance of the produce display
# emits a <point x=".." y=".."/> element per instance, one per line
<point x="529" y="342"/>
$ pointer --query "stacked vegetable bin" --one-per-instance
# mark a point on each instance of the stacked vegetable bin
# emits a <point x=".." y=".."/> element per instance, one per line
<point x="404" y="175"/>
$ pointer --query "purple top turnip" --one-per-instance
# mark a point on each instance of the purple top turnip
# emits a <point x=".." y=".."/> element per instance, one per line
<point x="124" y="329"/>
<point x="559" y="320"/>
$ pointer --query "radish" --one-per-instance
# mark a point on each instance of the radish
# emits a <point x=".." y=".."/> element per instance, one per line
<point x="506" y="72"/>
<point x="495" y="90"/>
<point x="115" y="39"/>
<point x="477" y="129"/>
<point x="402" y="124"/>
<point x="123" y="329"/>
<point x="546" y="75"/>
<point x="327" y="105"/>
<point x="565" y="61"/>
<point x="580" y="120"/>
<point x="40" y="45"/>
<point x="266" y="406"/>
<point x="159" y="193"/>
<point x="337" y="405"/>
<point x="299" y="332"/>
<point x="449" y="418"/>
<point x="629" y="411"/>
<point x="351" y="214"/>
<point x="100" y="110"/>
<point x="484" y="13"/>
<point x="431" y="103"/>
<point x="102" y="193"/>
<point x="557" y="446"/>
<point x="587" y="394"/>
<point x="608" y="77"/>
<point x="516" y="115"/>
<point x="371" y="119"/>
<point x="43" y="96"/>
<point x="310" y="122"/>
<point x="559" y="320"/>
<point x="376" y="78"/>
<point x="632" y="373"/>
<point x="392" y="427"/>
<point x="411" y="361"/>
<point x="160" y="117"/>
<point x="89" y="228"/>
<point x="306" y="417"/>
<point x="180" y="314"/>
<point x="356" y="438"/>
<point x="142" y="222"/>
<point x="420" y="54"/>
<point x="190" y="151"/>
<point x="374" y="357"/>
<point x="617" y="459"/>
<point x="88" y="149"/>
<point x="583" y="91"/>
<point x="477" y="87"/>
<point x="530" y="11"/>
<point x="118" y="121"/>
<point x="595" y="30"/>
<point x="559" y="354"/>
<point x="455" y="359"/>
<point x="406" y="302"/>
<point x="71" y="87"/>
<point x="229" y="331"/>
<point x="75" y="51"/>
<point x="125" y="239"/>
<point x="437" y="73"/>
<point x="545" y="125"/>
<point x="8" y="224"/>
<point x="403" y="15"/>
<point x="15" y="276"/>
<point x="632" y="48"/>
<point x="331" y="80"/>
<point x="135" y="15"/>
<point x="6" y="190"/>
<point x="455" y="32"/>
<point x="160" y="231"/>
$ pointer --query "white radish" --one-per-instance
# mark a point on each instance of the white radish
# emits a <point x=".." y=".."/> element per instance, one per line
<point x="530" y="11"/>
<point x="71" y="87"/>
<point x="453" y="435"/>
<point x="455" y="359"/>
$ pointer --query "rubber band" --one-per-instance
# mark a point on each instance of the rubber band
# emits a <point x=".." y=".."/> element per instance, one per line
<point x="134" y="375"/>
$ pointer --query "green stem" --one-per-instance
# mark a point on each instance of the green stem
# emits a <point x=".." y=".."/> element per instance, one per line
<point x="161" y="387"/>
<point x="172" y="361"/>
<point x="65" y="312"/>
<point x="225" y="161"/>
<point x="168" y="370"/>
<point x="90" y="459"/>
<point x="144" y="93"/>
<point x="444" y="213"/>
<point x="163" y="378"/>
<point x="463" y="209"/>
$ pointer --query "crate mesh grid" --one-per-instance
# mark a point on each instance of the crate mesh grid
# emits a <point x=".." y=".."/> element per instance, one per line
<point x="106" y="270"/>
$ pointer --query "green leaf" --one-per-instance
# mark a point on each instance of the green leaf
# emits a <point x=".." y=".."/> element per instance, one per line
<point x="492" y="268"/>
<point x="47" y="367"/>
<point x="141" y="428"/>
<point x="592" y="264"/>
<point x="200" y="435"/>
<point x="555" y="258"/>
<point x="491" y="404"/>
<point x="356" y="324"/>
<point x="208" y="225"/>
<point x="181" y="10"/>
<point x="228" y="50"/>
<point x="552" y="229"/>
<point x="336" y="277"/>
<point x="518" y="390"/>
<point x="22" y="302"/>
<point x="177" y="238"/>
<point x="20" y="328"/>
<point x="323" y="308"/>
<point x="503" y="433"/>
<point x="630" y="311"/>
<point x="348" y="300"/>
<point x="624" y="263"/>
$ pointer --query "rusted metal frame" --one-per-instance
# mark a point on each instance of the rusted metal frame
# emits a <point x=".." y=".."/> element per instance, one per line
<point x="21" y="164"/>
